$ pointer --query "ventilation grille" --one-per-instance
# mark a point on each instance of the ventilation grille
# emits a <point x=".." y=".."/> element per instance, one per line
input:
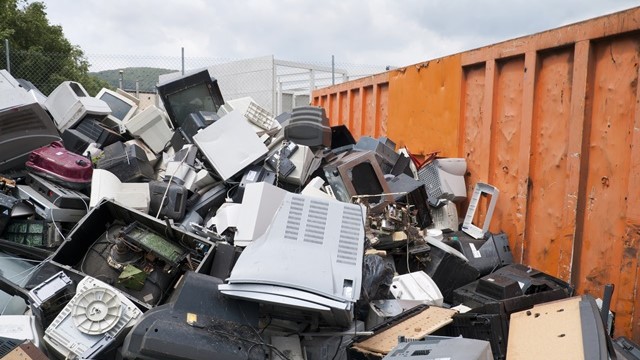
<point x="16" y="120"/>
<point x="292" y="230"/>
<point x="429" y="176"/>
<point x="7" y="345"/>
<point x="349" y="236"/>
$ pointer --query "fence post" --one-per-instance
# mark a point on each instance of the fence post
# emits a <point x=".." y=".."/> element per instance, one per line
<point x="333" y="70"/>
<point x="7" y="52"/>
<point x="182" y="60"/>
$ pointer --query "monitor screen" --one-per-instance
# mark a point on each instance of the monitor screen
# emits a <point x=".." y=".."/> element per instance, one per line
<point x="119" y="108"/>
<point x="190" y="100"/>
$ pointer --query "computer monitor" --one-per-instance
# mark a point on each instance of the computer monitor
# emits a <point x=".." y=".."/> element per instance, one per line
<point x="24" y="127"/>
<point x="358" y="174"/>
<point x="123" y="106"/>
<point x="188" y="94"/>
<point x="69" y="103"/>
<point x="444" y="179"/>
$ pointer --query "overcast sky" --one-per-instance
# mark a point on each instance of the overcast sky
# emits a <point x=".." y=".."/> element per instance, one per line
<point x="362" y="32"/>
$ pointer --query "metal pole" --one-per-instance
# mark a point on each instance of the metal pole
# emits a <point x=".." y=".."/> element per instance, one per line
<point x="333" y="70"/>
<point x="121" y="81"/>
<point x="138" y="89"/>
<point x="6" y="51"/>
<point x="182" y="60"/>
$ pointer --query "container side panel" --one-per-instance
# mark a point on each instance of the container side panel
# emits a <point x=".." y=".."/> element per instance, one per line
<point x="369" y="112"/>
<point x="605" y="251"/>
<point x="505" y="142"/>
<point x="424" y="106"/>
<point x="471" y="118"/>
<point x="544" y="239"/>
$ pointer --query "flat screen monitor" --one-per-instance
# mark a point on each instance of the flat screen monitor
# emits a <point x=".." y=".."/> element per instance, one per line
<point x="188" y="94"/>
<point x="122" y="106"/>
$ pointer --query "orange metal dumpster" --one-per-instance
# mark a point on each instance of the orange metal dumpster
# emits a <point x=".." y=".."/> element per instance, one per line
<point x="552" y="120"/>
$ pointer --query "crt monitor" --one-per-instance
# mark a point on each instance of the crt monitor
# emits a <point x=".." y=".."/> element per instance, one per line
<point x="24" y="127"/>
<point x="70" y="103"/>
<point x="188" y="94"/>
<point x="444" y="179"/>
<point x="123" y="106"/>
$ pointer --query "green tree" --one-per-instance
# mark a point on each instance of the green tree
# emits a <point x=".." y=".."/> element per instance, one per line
<point x="40" y="52"/>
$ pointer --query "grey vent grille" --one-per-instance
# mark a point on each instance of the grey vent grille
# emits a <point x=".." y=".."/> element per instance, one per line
<point x="20" y="120"/>
<point x="429" y="176"/>
<point x="316" y="222"/>
<point x="349" y="236"/>
<point x="294" y="221"/>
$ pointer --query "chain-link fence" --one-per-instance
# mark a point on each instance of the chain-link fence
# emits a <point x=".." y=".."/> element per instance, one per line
<point x="274" y="83"/>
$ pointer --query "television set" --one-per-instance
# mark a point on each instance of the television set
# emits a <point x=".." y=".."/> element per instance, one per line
<point x="123" y="106"/>
<point x="24" y="126"/>
<point x="308" y="263"/>
<point x="69" y="103"/>
<point x="444" y="179"/>
<point x="190" y="93"/>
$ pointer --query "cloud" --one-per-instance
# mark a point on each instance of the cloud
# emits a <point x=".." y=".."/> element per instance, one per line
<point x="367" y="32"/>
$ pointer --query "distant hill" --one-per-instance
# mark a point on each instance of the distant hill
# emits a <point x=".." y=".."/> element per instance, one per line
<point x="146" y="76"/>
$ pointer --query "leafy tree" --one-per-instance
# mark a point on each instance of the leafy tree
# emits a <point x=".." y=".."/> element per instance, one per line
<point x="39" y="50"/>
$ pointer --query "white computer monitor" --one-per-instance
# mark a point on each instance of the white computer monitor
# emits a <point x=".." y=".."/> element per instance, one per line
<point x="444" y="179"/>
<point x="69" y="103"/>
<point x="123" y="106"/>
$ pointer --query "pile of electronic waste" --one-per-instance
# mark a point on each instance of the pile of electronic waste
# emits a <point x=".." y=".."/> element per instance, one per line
<point x="202" y="228"/>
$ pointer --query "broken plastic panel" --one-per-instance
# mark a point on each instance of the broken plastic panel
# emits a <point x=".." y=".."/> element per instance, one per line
<point x="468" y="226"/>
<point x="69" y="103"/>
<point x="105" y="185"/>
<point x="416" y="286"/>
<point x="168" y="199"/>
<point x="230" y="145"/>
<point x="195" y="122"/>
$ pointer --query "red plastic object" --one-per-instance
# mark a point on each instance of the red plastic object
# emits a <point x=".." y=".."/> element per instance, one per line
<point x="57" y="164"/>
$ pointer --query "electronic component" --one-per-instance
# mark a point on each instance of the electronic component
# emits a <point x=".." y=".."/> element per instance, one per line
<point x="485" y="255"/>
<point x="306" y="161"/>
<point x="444" y="179"/>
<point x="19" y="328"/>
<point x="75" y="141"/>
<point x="61" y="197"/>
<point x="33" y="233"/>
<point x="412" y="192"/>
<point x="256" y="114"/>
<point x="445" y="217"/>
<point x="96" y="313"/>
<point x="98" y="132"/>
<point x="69" y="103"/>
<point x="384" y="148"/>
<point x="143" y="237"/>
<point x="383" y="310"/>
<point x="318" y="235"/>
<point x="190" y="93"/>
<point x="7" y="203"/>
<point x="279" y="159"/>
<point x="481" y="189"/>
<point x="46" y="209"/>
